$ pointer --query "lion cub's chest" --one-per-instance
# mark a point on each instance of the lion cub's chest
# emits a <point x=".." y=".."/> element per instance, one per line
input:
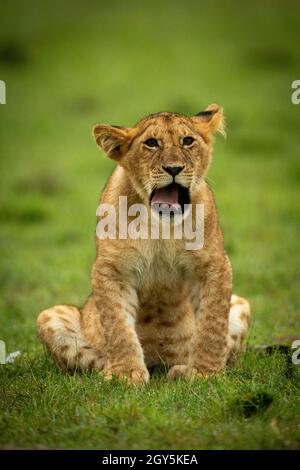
<point x="161" y="276"/>
<point x="165" y="317"/>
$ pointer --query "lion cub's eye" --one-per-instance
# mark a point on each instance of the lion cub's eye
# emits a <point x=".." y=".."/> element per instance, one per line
<point x="187" y="141"/>
<point x="152" y="143"/>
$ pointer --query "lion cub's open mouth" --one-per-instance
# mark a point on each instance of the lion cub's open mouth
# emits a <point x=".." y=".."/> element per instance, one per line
<point x="171" y="198"/>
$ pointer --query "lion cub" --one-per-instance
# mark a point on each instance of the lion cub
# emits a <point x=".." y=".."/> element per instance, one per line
<point x="153" y="301"/>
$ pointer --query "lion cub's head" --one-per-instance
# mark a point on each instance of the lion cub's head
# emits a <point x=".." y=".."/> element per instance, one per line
<point x="166" y="155"/>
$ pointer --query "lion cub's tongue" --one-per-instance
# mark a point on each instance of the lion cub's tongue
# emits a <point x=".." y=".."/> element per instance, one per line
<point x="168" y="195"/>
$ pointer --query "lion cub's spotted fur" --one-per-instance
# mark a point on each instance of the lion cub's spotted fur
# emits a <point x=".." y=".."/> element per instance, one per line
<point x="153" y="301"/>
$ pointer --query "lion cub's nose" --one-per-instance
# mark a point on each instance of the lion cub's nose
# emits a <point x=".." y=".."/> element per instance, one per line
<point x="173" y="170"/>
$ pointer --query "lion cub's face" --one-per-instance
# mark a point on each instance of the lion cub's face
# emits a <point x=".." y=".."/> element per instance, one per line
<point x="165" y="155"/>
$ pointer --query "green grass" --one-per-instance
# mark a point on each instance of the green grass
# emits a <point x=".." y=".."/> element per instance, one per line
<point x="68" y="65"/>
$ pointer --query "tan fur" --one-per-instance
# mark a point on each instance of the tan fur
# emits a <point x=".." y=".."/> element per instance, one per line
<point x="153" y="301"/>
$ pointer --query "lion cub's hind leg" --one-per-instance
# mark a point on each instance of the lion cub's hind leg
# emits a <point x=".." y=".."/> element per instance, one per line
<point x="239" y="319"/>
<point x="59" y="328"/>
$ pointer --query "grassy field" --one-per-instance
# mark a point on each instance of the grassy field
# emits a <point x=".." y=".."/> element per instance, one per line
<point x="68" y="65"/>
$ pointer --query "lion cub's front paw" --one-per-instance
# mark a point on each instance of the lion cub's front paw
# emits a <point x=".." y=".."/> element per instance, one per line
<point x="132" y="375"/>
<point x="187" y="373"/>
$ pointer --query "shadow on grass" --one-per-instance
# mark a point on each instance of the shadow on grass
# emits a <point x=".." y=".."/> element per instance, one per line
<point x="13" y="53"/>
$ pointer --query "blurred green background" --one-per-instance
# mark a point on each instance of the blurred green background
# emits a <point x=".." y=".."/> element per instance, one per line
<point x="70" y="64"/>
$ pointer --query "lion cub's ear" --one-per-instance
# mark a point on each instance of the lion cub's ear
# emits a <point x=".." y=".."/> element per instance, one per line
<point x="112" y="139"/>
<point x="211" y="120"/>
